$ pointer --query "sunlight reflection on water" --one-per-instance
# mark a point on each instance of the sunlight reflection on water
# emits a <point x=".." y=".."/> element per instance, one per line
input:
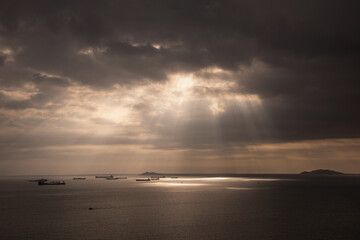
<point x="170" y="184"/>
<point x="199" y="179"/>
<point x="258" y="179"/>
<point x="195" y="208"/>
<point x="236" y="179"/>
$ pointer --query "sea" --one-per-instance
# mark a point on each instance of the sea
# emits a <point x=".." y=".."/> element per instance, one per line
<point x="243" y="207"/>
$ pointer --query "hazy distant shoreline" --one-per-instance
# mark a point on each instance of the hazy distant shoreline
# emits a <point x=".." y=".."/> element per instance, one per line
<point x="245" y="175"/>
<point x="248" y="175"/>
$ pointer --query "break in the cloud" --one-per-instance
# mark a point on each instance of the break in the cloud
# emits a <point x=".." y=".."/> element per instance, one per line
<point x="148" y="81"/>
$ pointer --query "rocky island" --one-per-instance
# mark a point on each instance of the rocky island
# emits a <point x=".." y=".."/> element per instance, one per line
<point x="322" y="172"/>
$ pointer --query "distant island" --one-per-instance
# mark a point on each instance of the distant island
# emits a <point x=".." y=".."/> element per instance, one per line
<point x="151" y="173"/>
<point x="322" y="172"/>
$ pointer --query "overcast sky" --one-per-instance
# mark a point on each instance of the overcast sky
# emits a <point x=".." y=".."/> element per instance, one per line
<point x="179" y="86"/>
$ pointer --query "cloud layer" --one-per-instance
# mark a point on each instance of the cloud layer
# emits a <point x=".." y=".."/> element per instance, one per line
<point x="179" y="75"/>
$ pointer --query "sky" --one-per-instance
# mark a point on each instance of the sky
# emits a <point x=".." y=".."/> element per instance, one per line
<point x="179" y="86"/>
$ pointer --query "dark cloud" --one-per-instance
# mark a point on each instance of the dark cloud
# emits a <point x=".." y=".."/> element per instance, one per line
<point x="2" y="59"/>
<point x="308" y="82"/>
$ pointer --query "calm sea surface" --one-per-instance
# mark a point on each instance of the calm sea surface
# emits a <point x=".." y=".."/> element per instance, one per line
<point x="271" y="207"/>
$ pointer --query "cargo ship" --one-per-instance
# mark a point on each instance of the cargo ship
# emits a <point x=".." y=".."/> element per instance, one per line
<point x="111" y="178"/>
<point x="46" y="182"/>
<point x="103" y="176"/>
<point x="38" y="180"/>
<point x="143" y="179"/>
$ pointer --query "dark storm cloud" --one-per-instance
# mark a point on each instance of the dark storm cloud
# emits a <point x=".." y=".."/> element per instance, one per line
<point x="309" y="80"/>
<point x="310" y="98"/>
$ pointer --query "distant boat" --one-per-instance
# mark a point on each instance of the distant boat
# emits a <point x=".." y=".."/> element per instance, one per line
<point x="111" y="178"/>
<point x="38" y="180"/>
<point x="46" y="182"/>
<point x="79" y="178"/>
<point x="174" y="177"/>
<point x="103" y="176"/>
<point x="153" y="174"/>
<point x="122" y="178"/>
<point x="155" y="178"/>
<point x="143" y="179"/>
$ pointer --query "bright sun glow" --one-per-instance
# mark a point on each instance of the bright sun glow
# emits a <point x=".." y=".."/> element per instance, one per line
<point x="159" y="108"/>
<point x="183" y="82"/>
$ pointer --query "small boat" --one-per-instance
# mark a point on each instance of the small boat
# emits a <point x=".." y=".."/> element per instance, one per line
<point x="46" y="182"/>
<point x="143" y="179"/>
<point x="38" y="180"/>
<point x="174" y="177"/>
<point x="155" y="178"/>
<point x="79" y="178"/>
<point x="111" y="178"/>
<point x="103" y="176"/>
